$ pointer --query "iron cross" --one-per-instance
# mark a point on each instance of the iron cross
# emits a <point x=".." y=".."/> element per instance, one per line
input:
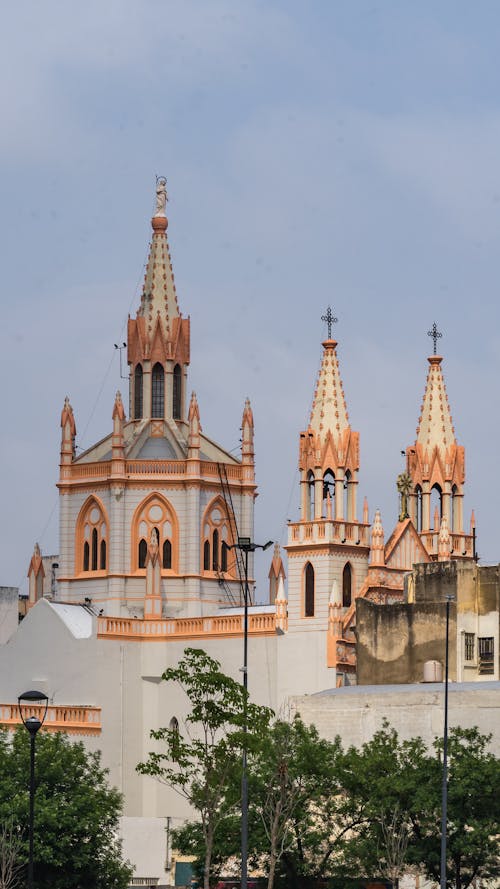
<point x="329" y="319"/>
<point x="435" y="334"/>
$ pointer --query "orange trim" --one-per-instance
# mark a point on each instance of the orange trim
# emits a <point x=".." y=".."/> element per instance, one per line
<point x="75" y="720"/>
<point x="173" y="629"/>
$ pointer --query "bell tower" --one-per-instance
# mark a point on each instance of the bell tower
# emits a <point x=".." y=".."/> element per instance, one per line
<point x="436" y="466"/>
<point x="327" y="546"/>
<point x="158" y="338"/>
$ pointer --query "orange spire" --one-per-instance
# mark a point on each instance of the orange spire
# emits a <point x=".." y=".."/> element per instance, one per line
<point x="435" y="427"/>
<point x="365" y="511"/>
<point x="36" y="574"/>
<point x="194" y="429"/>
<point x="377" y="553"/>
<point x="247" y="433"/>
<point x="117" y="439"/>
<point x="159" y="297"/>
<point x="276" y="573"/>
<point x="329" y="410"/>
<point x="68" y="433"/>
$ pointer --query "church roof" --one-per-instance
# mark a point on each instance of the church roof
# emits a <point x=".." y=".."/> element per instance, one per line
<point x="435" y="427"/>
<point x="159" y="297"/>
<point x="329" y="411"/>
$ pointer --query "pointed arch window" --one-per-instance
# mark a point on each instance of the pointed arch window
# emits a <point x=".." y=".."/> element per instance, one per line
<point x="91" y="538"/>
<point x="346" y="586"/>
<point x="217" y="540"/>
<point x="158" y="391"/>
<point x="177" y="393"/>
<point x="138" y="389"/>
<point x="348" y="492"/>
<point x="309" y="590"/>
<point x="456" y="524"/>
<point x="418" y="508"/>
<point x="436" y="505"/>
<point x="154" y="514"/>
<point x="310" y="496"/>
<point x="328" y="490"/>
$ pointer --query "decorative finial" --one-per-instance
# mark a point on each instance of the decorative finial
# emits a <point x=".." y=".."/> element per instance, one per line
<point x="329" y="320"/>
<point x="435" y="334"/>
<point x="161" y="196"/>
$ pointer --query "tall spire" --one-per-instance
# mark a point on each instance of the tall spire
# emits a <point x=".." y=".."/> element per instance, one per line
<point x="436" y="464"/>
<point x="329" y="449"/>
<point x="158" y="338"/>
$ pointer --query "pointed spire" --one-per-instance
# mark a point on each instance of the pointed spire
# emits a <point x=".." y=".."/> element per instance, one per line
<point x="281" y="604"/>
<point x="159" y="297"/>
<point x="276" y="573"/>
<point x="194" y="429"/>
<point x="365" y="512"/>
<point x="247" y="433"/>
<point x="68" y="433"/>
<point x="117" y="439"/>
<point x="377" y="553"/>
<point x="36" y="574"/>
<point x="329" y="410"/>
<point x="435" y="428"/>
<point x="444" y="543"/>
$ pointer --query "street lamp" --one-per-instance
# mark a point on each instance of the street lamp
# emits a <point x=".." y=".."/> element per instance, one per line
<point x="444" y="792"/>
<point x="245" y="545"/>
<point x="33" y="710"/>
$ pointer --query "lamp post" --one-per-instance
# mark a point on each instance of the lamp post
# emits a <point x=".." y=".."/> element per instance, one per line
<point x="33" y="710"/>
<point x="246" y="546"/>
<point x="444" y="792"/>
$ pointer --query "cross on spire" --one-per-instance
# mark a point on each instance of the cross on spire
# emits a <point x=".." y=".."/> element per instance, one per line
<point x="329" y="319"/>
<point x="435" y="334"/>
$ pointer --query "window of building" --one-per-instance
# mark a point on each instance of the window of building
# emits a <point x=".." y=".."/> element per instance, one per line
<point x="309" y="590"/>
<point x="469" y="645"/>
<point x="217" y="540"/>
<point x="328" y="489"/>
<point x="91" y="538"/>
<point x="177" y="393"/>
<point x="346" y="586"/>
<point x="158" y="391"/>
<point x="418" y="508"/>
<point x="155" y="514"/>
<point x="436" y="507"/>
<point x="138" y="382"/>
<point x="486" y="651"/>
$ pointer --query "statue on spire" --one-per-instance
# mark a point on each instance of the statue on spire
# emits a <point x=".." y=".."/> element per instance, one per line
<point x="404" y="485"/>
<point x="161" y="196"/>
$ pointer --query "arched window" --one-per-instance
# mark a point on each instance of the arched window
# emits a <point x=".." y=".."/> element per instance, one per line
<point x="138" y="392"/>
<point x="154" y="514"/>
<point x="455" y="509"/>
<point x="348" y="497"/>
<point x="177" y="393"/>
<point x="346" y="586"/>
<point x="310" y="496"/>
<point x="418" y="507"/>
<point x="328" y="489"/>
<point x="167" y="554"/>
<point x="143" y="551"/>
<point x="91" y="538"/>
<point x="173" y="725"/>
<point x="436" y="506"/>
<point x="217" y="540"/>
<point x="102" y="555"/>
<point x="309" y="590"/>
<point x="215" y="550"/>
<point x="158" y="391"/>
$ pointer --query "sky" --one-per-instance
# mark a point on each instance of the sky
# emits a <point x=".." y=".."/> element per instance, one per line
<point x="337" y="152"/>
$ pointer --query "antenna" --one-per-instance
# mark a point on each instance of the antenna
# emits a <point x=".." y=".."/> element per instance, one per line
<point x="120" y="349"/>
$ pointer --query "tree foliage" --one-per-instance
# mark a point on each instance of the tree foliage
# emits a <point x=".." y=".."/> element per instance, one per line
<point x="203" y="762"/>
<point x="76" y="812"/>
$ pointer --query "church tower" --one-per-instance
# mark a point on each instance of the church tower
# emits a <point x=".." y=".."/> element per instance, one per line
<point x="328" y="547"/>
<point x="149" y="515"/>
<point x="435" y="465"/>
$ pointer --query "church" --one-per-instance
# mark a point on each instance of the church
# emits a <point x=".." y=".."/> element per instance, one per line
<point x="151" y="561"/>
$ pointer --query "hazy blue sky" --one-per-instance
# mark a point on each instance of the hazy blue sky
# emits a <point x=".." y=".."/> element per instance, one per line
<point x="340" y="152"/>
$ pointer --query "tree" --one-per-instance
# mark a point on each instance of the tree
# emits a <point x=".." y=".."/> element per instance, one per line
<point x="204" y="765"/>
<point x="11" y="862"/>
<point x="76" y="812"/>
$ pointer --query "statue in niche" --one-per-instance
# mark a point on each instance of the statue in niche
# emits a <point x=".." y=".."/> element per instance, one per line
<point x="404" y="486"/>
<point x="161" y="196"/>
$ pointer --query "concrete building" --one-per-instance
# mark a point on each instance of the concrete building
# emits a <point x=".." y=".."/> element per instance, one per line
<point x="149" y="517"/>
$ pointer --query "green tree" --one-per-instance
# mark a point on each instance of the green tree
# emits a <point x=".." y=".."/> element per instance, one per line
<point x="204" y="763"/>
<point x="76" y="812"/>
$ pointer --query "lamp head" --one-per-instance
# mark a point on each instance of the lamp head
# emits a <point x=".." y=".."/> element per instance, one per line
<point x="27" y="702"/>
